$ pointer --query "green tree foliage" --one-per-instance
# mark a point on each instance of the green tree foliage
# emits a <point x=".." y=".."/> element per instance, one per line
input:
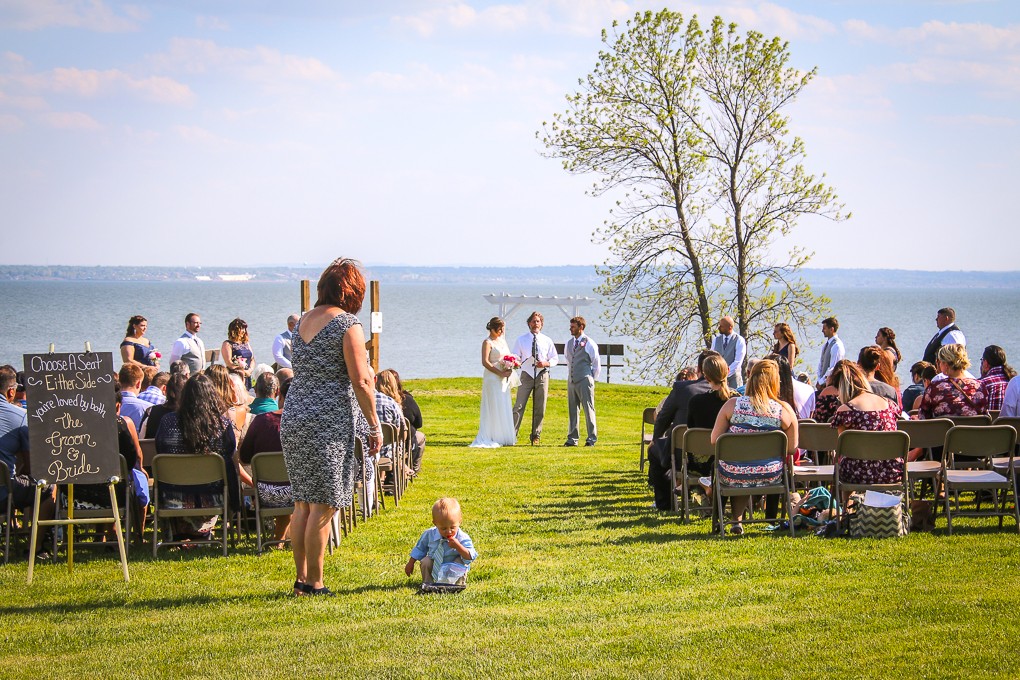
<point x="687" y="127"/>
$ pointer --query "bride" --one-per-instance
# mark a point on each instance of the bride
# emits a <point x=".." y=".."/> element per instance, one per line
<point x="496" y="426"/>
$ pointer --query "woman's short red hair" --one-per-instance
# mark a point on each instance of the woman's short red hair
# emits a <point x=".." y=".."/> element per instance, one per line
<point x="342" y="284"/>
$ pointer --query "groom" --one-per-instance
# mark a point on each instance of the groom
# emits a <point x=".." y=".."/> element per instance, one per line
<point x="538" y="353"/>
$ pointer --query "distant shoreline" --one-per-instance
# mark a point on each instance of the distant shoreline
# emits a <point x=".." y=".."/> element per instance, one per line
<point x="573" y="275"/>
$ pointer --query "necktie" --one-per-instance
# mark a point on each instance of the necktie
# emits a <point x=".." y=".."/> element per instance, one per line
<point x="534" y="353"/>
<point x="725" y="342"/>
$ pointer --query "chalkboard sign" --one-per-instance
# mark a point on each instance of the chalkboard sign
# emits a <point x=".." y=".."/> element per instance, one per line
<point x="72" y="417"/>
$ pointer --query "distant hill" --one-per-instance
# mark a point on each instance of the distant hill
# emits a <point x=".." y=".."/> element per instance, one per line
<point x="821" y="278"/>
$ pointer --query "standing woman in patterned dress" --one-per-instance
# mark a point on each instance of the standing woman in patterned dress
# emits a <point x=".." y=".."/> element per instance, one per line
<point x="331" y="401"/>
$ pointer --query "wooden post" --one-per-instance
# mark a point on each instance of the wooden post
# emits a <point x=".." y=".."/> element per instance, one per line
<point x="306" y="295"/>
<point x="376" y="326"/>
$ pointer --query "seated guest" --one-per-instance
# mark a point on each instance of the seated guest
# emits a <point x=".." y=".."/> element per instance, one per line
<point x="757" y="410"/>
<point x="14" y="444"/>
<point x="235" y="409"/>
<point x="673" y="412"/>
<point x="264" y="435"/>
<point x="387" y="407"/>
<point x="869" y="360"/>
<point x="703" y="408"/>
<point x="797" y="394"/>
<point x="284" y="374"/>
<point x="267" y="389"/>
<point x="827" y="401"/>
<point x="198" y="426"/>
<point x="687" y="373"/>
<point x="136" y="348"/>
<point x="131" y="377"/>
<point x="956" y="394"/>
<point x="153" y="385"/>
<point x="928" y="375"/>
<point x="916" y="388"/>
<point x="862" y="409"/>
<point x="19" y="393"/>
<point x="180" y="366"/>
<point x="412" y="412"/>
<point x="1011" y="400"/>
<point x="150" y="425"/>
<point x="995" y="375"/>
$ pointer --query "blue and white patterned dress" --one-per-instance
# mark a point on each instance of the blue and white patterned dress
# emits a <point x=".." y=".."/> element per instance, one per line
<point x="321" y="418"/>
<point x="765" y="472"/>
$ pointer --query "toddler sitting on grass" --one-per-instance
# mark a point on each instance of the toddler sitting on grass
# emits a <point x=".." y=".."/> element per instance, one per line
<point x="445" y="551"/>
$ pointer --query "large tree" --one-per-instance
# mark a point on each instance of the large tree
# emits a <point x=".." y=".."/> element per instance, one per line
<point x="688" y="128"/>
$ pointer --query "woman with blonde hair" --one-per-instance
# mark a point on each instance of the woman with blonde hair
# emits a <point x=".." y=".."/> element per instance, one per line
<point x="786" y="344"/>
<point x="757" y="410"/>
<point x="235" y="410"/>
<point x="386" y="382"/>
<point x="703" y="409"/>
<point x="956" y="394"/>
<point x="863" y="409"/>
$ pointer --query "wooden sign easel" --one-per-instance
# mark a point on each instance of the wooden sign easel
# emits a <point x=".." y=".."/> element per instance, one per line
<point x="373" y="343"/>
<point x="52" y="377"/>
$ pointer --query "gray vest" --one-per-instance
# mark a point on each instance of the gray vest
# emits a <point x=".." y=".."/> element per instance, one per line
<point x="195" y="356"/>
<point x="580" y="362"/>
<point x="728" y="352"/>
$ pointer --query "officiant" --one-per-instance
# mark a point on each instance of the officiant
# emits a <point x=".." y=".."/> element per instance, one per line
<point x="538" y="353"/>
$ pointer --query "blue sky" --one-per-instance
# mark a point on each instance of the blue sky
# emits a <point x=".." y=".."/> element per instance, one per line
<point x="398" y="132"/>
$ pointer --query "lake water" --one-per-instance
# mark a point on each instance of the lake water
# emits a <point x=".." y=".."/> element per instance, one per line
<point x="435" y="330"/>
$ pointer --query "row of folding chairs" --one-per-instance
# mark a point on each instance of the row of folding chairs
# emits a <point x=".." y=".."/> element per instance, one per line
<point x="192" y="470"/>
<point x="974" y="458"/>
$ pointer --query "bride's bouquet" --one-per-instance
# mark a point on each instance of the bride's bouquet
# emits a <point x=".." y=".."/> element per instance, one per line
<point x="510" y="362"/>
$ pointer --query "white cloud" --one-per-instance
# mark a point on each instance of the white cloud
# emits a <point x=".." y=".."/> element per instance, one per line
<point x="90" y="83"/>
<point x="974" y="120"/>
<point x="264" y="65"/>
<point x="70" y="120"/>
<point x="92" y="15"/>
<point x="941" y="38"/>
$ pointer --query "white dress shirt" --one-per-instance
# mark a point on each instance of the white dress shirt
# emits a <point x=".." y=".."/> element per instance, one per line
<point x="1011" y="400"/>
<point x="589" y="346"/>
<point x="740" y="350"/>
<point x="955" y="338"/>
<point x="546" y="352"/>
<point x="803" y="398"/>
<point x="185" y="342"/>
<point x="280" y="343"/>
<point x="837" y="352"/>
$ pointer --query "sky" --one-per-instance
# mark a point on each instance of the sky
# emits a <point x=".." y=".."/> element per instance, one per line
<point x="257" y="132"/>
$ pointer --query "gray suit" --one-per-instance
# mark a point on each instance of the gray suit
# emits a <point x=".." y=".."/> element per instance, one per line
<point x="582" y="356"/>
<point x="732" y="348"/>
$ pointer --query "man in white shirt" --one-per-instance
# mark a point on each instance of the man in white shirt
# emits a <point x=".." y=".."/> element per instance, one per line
<point x="583" y="368"/>
<point x="948" y="334"/>
<point x="282" y="343"/>
<point x="732" y="348"/>
<point x="833" y="351"/>
<point x="189" y="348"/>
<point x="537" y="353"/>
<point x="1011" y="400"/>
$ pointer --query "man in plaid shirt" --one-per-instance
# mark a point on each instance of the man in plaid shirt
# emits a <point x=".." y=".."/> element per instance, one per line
<point x="995" y="375"/>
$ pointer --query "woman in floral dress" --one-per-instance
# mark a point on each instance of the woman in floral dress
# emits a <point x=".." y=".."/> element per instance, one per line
<point x="862" y="409"/>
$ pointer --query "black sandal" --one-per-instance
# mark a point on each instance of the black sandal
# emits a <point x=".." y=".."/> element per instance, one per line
<point x="320" y="591"/>
<point x="302" y="588"/>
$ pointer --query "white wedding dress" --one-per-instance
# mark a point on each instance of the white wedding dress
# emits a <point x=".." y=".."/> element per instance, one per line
<point x="496" y="425"/>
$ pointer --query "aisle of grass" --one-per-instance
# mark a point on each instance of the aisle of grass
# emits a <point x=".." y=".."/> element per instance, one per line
<point x="577" y="576"/>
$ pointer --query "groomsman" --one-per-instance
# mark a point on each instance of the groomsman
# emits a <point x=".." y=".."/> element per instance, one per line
<point x="189" y="348"/>
<point x="948" y="333"/>
<point x="833" y="351"/>
<point x="282" y="343"/>
<point x="732" y="348"/>
<point x="538" y="353"/>
<point x="583" y="366"/>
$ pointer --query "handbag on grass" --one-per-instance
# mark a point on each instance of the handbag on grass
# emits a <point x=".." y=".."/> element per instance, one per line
<point x="875" y="515"/>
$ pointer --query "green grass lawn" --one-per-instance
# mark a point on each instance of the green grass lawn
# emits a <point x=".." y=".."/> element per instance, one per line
<point x="577" y="576"/>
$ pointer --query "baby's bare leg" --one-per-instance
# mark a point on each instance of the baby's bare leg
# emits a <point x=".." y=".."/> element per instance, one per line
<point x="426" y="570"/>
